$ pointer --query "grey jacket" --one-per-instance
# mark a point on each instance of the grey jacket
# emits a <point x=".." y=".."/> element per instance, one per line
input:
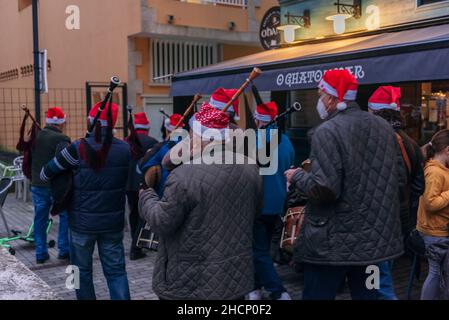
<point x="352" y="215"/>
<point x="205" y="222"/>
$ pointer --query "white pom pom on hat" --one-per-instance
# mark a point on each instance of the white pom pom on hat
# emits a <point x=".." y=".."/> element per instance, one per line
<point x="342" y="105"/>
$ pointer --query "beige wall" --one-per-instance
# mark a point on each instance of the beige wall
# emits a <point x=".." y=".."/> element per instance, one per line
<point x="207" y="16"/>
<point x="112" y="40"/>
<point x="95" y="52"/>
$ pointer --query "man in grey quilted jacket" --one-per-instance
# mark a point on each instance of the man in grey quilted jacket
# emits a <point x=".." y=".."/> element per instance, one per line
<point x="205" y="222"/>
<point x="352" y="219"/>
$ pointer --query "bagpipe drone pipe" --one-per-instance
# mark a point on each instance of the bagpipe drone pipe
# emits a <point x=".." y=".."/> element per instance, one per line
<point x="61" y="185"/>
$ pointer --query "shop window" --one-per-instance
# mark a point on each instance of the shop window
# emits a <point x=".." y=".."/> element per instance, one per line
<point x="24" y="4"/>
<point x="169" y="57"/>
<point x="434" y="108"/>
<point x="424" y="2"/>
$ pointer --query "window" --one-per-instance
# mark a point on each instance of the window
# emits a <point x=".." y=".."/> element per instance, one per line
<point x="424" y="2"/>
<point x="169" y="57"/>
<point x="236" y="3"/>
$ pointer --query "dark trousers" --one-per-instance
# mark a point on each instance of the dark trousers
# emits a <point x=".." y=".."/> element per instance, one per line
<point x="135" y="222"/>
<point x="266" y="275"/>
<point x="322" y="282"/>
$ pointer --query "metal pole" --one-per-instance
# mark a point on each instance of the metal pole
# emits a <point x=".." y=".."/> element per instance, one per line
<point x="37" y="94"/>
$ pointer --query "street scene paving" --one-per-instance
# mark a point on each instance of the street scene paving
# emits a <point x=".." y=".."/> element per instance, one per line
<point x="19" y="215"/>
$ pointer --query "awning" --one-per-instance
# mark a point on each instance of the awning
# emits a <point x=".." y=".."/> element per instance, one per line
<point x="410" y="55"/>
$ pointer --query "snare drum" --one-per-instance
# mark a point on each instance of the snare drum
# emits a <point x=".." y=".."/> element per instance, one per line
<point x="147" y="239"/>
<point x="292" y="225"/>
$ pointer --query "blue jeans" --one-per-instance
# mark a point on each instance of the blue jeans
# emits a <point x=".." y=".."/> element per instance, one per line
<point x="431" y="286"/>
<point x="112" y="256"/>
<point x="322" y="282"/>
<point x="42" y="202"/>
<point x="265" y="272"/>
<point x="386" y="291"/>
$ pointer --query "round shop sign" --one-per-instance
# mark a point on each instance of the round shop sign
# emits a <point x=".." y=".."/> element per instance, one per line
<point x="269" y="34"/>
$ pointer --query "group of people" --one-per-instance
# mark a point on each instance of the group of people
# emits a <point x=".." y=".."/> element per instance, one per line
<point x="366" y="191"/>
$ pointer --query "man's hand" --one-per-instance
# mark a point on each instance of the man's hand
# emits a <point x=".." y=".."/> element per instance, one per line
<point x="290" y="173"/>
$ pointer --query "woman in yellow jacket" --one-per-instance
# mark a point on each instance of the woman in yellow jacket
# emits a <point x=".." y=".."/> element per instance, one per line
<point x="433" y="212"/>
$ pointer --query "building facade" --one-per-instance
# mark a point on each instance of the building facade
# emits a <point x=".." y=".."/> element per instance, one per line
<point x="143" y="42"/>
<point x="403" y="43"/>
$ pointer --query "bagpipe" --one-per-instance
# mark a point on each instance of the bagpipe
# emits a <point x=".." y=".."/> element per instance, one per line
<point x="62" y="184"/>
<point x="136" y="147"/>
<point x="147" y="238"/>
<point x="25" y="147"/>
<point x="293" y="108"/>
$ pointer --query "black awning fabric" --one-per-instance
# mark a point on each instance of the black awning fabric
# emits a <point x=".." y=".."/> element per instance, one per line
<point x="411" y="55"/>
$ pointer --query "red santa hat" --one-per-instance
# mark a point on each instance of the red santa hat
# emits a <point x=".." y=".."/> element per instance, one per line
<point x="207" y="118"/>
<point x="55" y="116"/>
<point x="141" y="121"/>
<point x="385" y="97"/>
<point x="266" y="111"/>
<point x="340" y="84"/>
<point x="170" y="123"/>
<point x="103" y="119"/>
<point x="221" y="97"/>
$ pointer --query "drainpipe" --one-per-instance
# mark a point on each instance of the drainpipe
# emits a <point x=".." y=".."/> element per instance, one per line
<point x="37" y="93"/>
<point x="253" y="24"/>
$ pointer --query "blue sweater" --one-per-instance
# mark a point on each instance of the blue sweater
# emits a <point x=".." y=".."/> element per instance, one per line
<point x="156" y="160"/>
<point x="275" y="186"/>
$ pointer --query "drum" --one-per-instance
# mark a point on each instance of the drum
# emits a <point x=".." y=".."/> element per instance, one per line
<point x="147" y="239"/>
<point x="292" y="225"/>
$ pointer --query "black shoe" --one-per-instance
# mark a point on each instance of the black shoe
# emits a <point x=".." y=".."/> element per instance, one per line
<point x="64" y="256"/>
<point x="136" y="255"/>
<point x="42" y="260"/>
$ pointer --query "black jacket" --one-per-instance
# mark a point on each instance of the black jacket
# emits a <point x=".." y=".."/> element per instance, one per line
<point x="44" y="150"/>
<point x="98" y="204"/>
<point x="353" y="209"/>
<point x="135" y="178"/>
<point x="414" y="188"/>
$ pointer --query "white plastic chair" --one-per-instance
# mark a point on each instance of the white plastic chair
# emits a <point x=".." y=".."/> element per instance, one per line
<point x="5" y="184"/>
<point x="17" y="177"/>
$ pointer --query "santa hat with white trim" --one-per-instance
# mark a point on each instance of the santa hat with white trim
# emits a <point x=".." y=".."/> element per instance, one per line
<point x="170" y="123"/>
<point x="207" y="118"/>
<point x="385" y="97"/>
<point x="103" y="119"/>
<point x="141" y="121"/>
<point x="221" y="97"/>
<point x="340" y="84"/>
<point x="266" y="111"/>
<point x="55" y="116"/>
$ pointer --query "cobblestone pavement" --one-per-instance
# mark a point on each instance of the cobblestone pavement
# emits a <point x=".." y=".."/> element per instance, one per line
<point x="19" y="216"/>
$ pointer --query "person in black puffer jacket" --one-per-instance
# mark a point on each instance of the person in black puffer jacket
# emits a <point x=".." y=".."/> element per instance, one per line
<point x="100" y="165"/>
<point x="135" y="178"/>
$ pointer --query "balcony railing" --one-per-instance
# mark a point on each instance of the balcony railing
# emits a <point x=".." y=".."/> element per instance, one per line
<point x="235" y="3"/>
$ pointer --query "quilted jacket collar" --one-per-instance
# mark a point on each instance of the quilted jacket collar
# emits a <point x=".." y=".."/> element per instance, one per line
<point x="351" y="107"/>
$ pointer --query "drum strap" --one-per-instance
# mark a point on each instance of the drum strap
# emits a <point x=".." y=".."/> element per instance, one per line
<point x="404" y="153"/>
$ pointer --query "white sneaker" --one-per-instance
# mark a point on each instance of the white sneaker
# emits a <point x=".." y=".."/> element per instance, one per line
<point x="284" y="296"/>
<point x="255" y="295"/>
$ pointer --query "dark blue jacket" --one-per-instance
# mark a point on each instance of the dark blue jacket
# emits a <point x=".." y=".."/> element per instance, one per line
<point x="99" y="197"/>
